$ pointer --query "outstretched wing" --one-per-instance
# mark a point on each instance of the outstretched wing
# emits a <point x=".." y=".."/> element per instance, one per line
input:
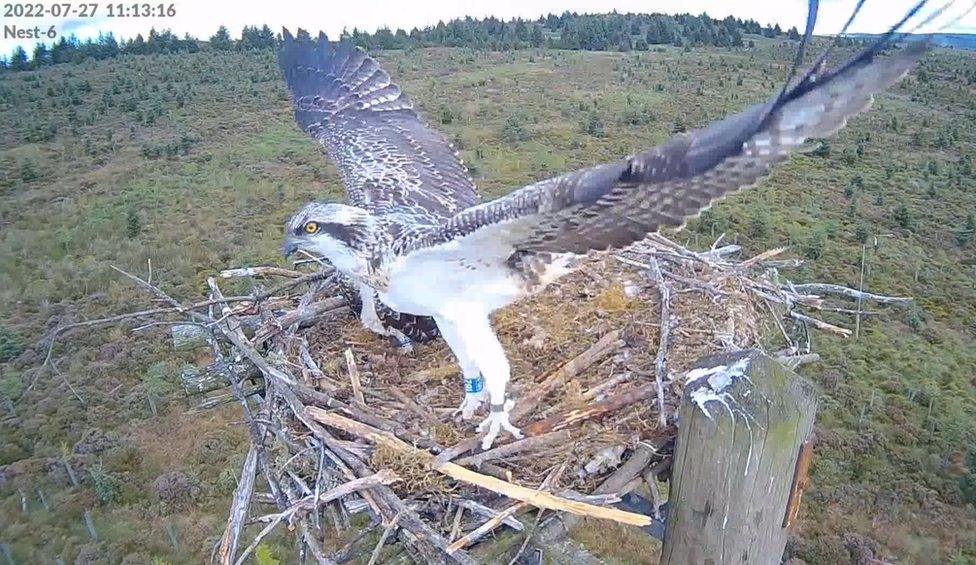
<point x="616" y="204"/>
<point x="388" y="158"/>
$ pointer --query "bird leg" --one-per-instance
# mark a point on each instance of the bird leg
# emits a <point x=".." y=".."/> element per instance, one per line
<point x="469" y="405"/>
<point x="481" y="344"/>
<point x="367" y="314"/>
<point x="474" y="393"/>
<point x="497" y="421"/>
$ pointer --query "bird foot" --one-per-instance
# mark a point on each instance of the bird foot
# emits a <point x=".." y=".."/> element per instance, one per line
<point x="374" y="325"/>
<point x="497" y="421"/>
<point x="403" y="343"/>
<point x="472" y="401"/>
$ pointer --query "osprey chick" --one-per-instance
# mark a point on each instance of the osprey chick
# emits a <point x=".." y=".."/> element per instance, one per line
<point x="413" y="230"/>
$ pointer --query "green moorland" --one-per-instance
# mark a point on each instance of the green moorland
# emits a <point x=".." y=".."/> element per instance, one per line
<point x="192" y="161"/>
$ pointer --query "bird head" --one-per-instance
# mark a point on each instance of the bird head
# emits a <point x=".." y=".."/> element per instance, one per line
<point x="336" y="232"/>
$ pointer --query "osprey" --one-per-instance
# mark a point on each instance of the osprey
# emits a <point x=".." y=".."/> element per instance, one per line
<point x="414" y="233"/>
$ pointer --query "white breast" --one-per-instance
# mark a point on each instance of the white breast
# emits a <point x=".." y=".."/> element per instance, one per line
<point x="447" y="278"/>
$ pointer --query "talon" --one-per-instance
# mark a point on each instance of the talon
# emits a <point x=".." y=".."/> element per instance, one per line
<point x="403" y="343"/>
<point x="472" y="401"/>
<point x="495" y="423"/>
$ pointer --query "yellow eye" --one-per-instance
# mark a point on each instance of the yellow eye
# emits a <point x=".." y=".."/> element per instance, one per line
<point x="311" y="227"/>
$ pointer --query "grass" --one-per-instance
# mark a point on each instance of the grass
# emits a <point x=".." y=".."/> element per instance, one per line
<point x="192" y="161"/>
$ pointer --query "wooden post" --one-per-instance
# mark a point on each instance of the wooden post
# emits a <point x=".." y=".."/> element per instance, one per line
<point x="743" y="423"/>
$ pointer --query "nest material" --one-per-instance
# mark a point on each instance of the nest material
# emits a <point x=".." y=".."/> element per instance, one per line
<point x="540" y="335"/>
<point x="346" y="413"/>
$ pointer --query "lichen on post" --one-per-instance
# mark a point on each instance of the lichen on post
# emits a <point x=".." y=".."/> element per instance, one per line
<point x="742" y="422"/>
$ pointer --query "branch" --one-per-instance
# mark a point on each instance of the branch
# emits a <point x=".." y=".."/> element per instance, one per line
<point x="238" y="508"/>
<point x="531" y="496"/>
<point x="836" y="289"/>
<point x="599" y="350"/>
<point x="660" y="363"/>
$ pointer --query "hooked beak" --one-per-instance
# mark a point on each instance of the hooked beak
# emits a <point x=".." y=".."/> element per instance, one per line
<point x="289" y="247"/>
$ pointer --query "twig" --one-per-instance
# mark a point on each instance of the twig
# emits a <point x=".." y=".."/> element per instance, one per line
<point x="574" y="416"/>
<point x="483" y="510"/>
<point x="263" y="271"/>
<point x="820" y="324"/>
<point x="517" y="492"/>
<point x="660" y="363"/>
<point x="483" y="529"/>
<point x="825" y="288"/>
<point x="309" y="502"/>
<point x="527" y="444"/>
<point x="387" y="530"/>
<point x="238" y="508"/>
<point x="357" y="388"/>
<point x="300" y="316"/>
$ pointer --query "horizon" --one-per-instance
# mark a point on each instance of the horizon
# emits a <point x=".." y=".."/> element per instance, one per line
<point x="201" y="21"/>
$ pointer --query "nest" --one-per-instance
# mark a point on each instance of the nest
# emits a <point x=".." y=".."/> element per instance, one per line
<point x="342" y="421"/>
<point x="609" y="313"/>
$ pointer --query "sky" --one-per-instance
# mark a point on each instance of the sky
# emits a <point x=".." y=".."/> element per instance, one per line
<point x="201" y="18"/>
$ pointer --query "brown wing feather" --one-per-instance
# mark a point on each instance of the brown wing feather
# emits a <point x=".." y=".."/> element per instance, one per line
<point x="389" y="160"/>
<point x="614" y="205"/>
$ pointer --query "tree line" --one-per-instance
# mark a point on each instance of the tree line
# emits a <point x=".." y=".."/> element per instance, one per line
<point x="591" y="32"/>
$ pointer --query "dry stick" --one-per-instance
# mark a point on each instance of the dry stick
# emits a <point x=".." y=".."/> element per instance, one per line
<point x="381" y="478"/>
<point x="325" y="400"/>
<point x="606" y="385"/>
<point x="301" y="315"/>
<point x="820" y="324"/>
<point x="527" y="444"/>
<point x="384" y="477"/>
<point x="528" y="538"/>
<point x="860" y="290"/>
<point x="618" y="480"/>
<point x="660" y="366"/>
<point x="517" y="492"/>
<point x="238" y="508"/>
<point x="483" y="510"/>
<point x="387" y="530"/>
<point x="577" y="415"/>
<point x="606" y="345"/>
<point x="322" y="274"/>
<point x="426" y="540"/>
<point x="500" y="517"/>
<point x="825" y="288"/>
<point x="231" y="330"/>
<point x="456" y="527"/>
<point x="264" y="271"/>
<point x="313" y="545"/>
<point x="761" y="257"/>
<point x="431" y="545"/>
<point x="321" y="379"/>
<point x="488" y="526"/>
<point x="357" y="388"/>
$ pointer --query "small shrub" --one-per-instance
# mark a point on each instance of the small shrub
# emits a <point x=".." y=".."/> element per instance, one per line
<point x="903" y="217"/>
<point x="133" y="225"/>
<point x="10" y="346"/>
<point x="822" y="150"/>
<point x="593" y="125"/>
<point x="447" y="115"/>
<point x="966" y="233"/>
<point x="106" y="486"/>
<point x="759" y="223"/>
<point x="28" y="172"/>
<point x="514" y="130"/>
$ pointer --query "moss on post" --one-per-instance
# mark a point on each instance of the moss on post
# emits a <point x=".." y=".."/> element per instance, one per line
<point x="742" y="422"/>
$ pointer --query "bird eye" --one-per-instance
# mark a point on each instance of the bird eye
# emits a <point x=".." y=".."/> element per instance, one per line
<point x="311" y="227"/>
